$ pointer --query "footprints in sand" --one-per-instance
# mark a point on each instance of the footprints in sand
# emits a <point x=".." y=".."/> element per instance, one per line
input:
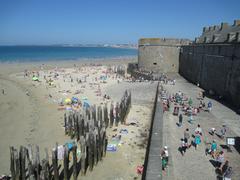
<point x="33" y="121"/>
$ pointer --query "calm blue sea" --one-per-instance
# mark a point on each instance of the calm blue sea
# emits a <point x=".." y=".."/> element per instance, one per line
<point x="48" y="53"/>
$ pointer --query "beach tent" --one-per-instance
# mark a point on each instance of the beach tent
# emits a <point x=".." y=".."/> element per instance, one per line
<point x="34" y="78"/>
<point x="68" y="101"/>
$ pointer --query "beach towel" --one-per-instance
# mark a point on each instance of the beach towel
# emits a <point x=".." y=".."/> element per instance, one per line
<point x="124" y="131"/>
<point x="111" y="147"/>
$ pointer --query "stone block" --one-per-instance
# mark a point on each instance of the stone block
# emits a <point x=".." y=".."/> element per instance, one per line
<point x="227" y="50"/>
<point x="237" y="51"/>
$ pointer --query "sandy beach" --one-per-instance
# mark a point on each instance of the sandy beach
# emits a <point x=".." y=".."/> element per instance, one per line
<point x="30" y="111"/>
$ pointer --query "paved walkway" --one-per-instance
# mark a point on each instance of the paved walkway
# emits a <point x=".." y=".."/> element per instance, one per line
<point x="154" y="164"/>
<point x="195" y="164"/>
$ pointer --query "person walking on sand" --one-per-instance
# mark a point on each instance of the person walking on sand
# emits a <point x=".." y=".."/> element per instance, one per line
<point x="3" y="91"/>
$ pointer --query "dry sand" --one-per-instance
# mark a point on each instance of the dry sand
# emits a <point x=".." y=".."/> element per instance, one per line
<point x="35" y="119"/>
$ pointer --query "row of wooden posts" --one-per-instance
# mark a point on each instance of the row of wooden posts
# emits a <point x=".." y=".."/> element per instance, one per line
<point x="26" y="164"/>
<point x="88" y="129"/>
<point x="78" y="123"/>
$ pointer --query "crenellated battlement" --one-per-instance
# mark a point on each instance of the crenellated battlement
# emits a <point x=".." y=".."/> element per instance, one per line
<point x="223" y="33"/>
<point x="162" y="41"/>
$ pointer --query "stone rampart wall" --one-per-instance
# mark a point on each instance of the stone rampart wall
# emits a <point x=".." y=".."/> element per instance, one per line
<point x="215" y="67"/>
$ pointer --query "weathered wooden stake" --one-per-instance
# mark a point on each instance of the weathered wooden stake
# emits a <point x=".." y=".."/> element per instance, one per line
<point x="83" y="155"/>
<point x="37" y="163"/>
<point x="111" y="116"/>
<point x="12" y="163"/>
<point x="65" y="123"/>
<point x="74" y="152"/>
<point x="22" y="154"/>
<point x="17" y="162"/>
<point x="30" y="163"/>
<point x="55" y="162"/>
<point x="66" y="163"/>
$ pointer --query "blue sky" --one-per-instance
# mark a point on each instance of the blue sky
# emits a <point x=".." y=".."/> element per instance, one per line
<point x="108" y="21"/>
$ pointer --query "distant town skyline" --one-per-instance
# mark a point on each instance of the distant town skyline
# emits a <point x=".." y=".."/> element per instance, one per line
<point x="108" y="22"/>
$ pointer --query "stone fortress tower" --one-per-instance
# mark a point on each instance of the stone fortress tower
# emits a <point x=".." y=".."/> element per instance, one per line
<point x="159" y="54"/>
<point x="212" y="60"/>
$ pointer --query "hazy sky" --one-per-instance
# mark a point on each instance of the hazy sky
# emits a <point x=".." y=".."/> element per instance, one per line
<point x="108" y="21"/>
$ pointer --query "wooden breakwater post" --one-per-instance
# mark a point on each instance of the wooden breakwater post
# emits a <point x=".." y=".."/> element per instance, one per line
<point x="66" y="163"/>
<point x="74" y="152"/>
<point x="83" y="155"/>
<point x="13" y="166"/>
<point x="22" y="158"/>
<point x="55" y="162"/>
<point x="111" y="117"/>
<point x="46" y="173"/>
<point x="31" y="173"/>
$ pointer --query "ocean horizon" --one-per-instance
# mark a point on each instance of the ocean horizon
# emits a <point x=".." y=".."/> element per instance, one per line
<point x="11" y="54"/>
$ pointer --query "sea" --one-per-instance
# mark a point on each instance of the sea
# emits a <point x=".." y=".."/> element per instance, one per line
<point x="11" y="54"/>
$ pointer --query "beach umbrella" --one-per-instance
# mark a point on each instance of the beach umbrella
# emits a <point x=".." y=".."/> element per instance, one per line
<point x="74" y="99"/>
<point x="68" y="101"/>
<point x="34" y="78"/>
